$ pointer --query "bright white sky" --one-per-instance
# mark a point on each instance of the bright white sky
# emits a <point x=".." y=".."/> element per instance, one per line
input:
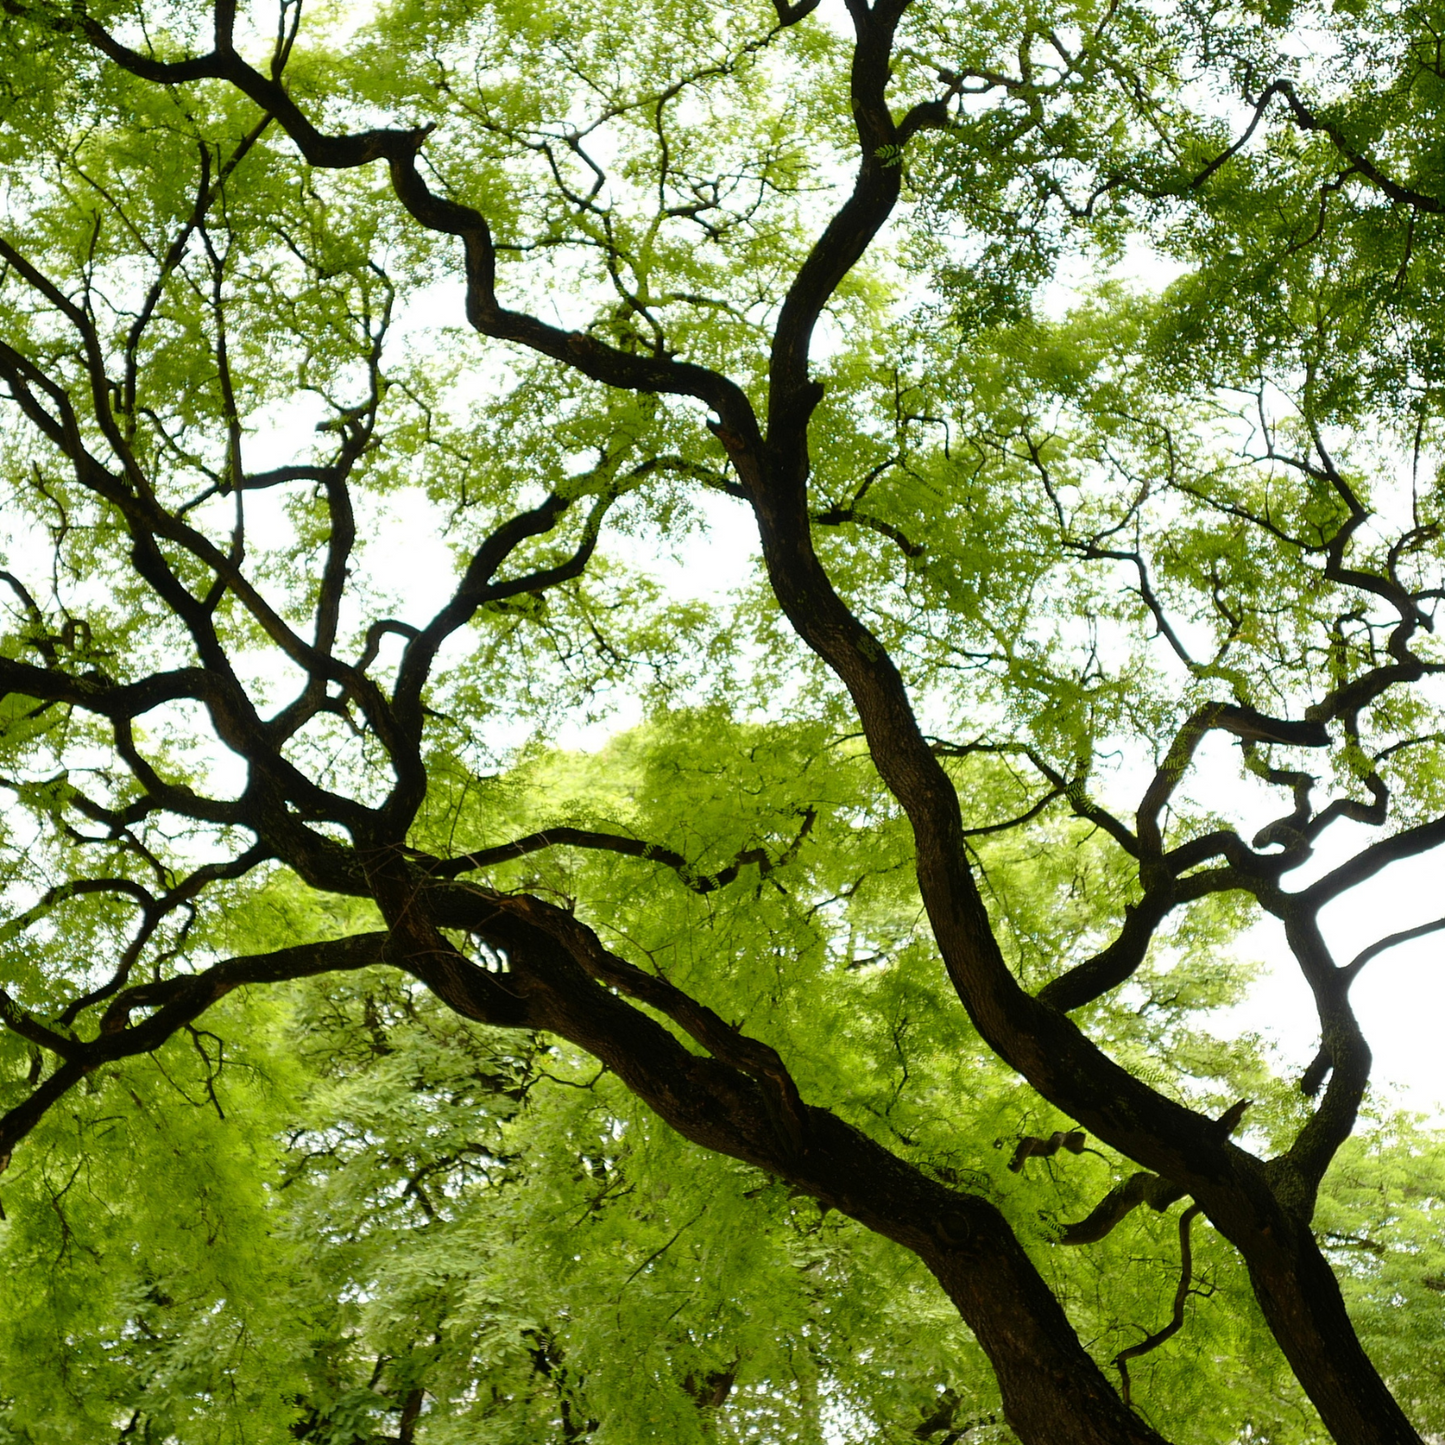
<point x="1399" y="996"/>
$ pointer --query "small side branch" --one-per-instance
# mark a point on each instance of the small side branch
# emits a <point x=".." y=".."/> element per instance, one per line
<point x="172" y="1004"/>
<point x="836" y="516"/>
<point x="1030" y="1146"/>
<point x="1244" y="723"/>
<point x="1391" y="940"/>
<point x="791" y="14"/>
<point x="1176" y="1320"/>
<point x="1141" y="1188"/>
<point x="568" y="837"/>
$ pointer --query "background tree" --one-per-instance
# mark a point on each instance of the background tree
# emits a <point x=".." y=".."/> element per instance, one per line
<point x="1105" y="590"/>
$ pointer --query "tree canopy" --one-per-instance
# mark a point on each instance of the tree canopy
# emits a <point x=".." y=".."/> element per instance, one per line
<point x="654" y="658"/>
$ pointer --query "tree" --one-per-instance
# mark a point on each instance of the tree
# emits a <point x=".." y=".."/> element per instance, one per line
<point x="1046" y="595"/>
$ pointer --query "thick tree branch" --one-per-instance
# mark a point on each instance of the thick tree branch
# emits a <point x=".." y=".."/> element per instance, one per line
<point x="1407" y="843"/>
<point x="741" y="1101"/>
<point x="739" y="1098"/>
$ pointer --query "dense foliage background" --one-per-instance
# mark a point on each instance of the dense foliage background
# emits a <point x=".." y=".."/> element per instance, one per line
<point x="1126" y="454"/>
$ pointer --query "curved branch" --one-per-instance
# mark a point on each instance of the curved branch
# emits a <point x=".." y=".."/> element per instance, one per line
<point x="1308" y="119"/>
<point x="1176" y="1319"/>
<point x="1142" y="1188"/>
<point x="1115" y="964"/>
<point x="790" y="14"/>
<point x="791" y="395"/>
<point x="836" y="516"/>
<point x="156" y="910"/>
<point x="1245" y="723"/>
<point x="1025" y="817"/>
<point x="175" y="1002"/>
<point x="1118" y="1204"/>
<point x="1407" y="843"/>
<point x="569" y="837"/>
<point x="1392" y="940"/>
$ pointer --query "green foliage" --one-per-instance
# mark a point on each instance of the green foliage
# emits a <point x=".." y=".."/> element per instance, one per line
<point x="371" y="1197"/>
<point x="1075" y="510"/>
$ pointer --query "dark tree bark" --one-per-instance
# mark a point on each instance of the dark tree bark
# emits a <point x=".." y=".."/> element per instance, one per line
<point x="737" y="1097"/>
